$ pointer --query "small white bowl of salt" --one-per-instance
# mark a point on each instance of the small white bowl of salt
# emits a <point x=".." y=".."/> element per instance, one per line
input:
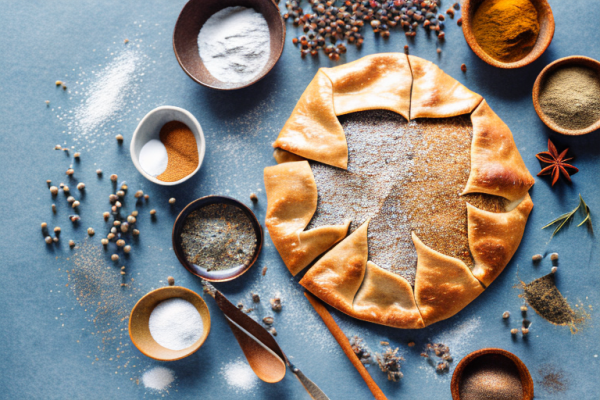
<point x="168" y="146"/>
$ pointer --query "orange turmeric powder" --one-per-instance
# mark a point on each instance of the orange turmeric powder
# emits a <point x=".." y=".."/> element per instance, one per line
<point x="506" y="29"/>
<point x="182" y="151"/>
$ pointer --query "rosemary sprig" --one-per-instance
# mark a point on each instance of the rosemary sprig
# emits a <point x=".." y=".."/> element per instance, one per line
<point x="563" y="219"/>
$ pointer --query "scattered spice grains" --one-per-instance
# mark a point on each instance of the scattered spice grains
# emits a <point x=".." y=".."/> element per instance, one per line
<point x="553" y="379"/>
<point x="442" y="353"/>
<point x="218" y="237"/>
<point x="361" y="350"/>
<point x="491" y="376"/>
<point x="389" y="362"/>
<point x="545" y="298"/>
<point x="412" y="184"/>
<point x="182" y="151"/>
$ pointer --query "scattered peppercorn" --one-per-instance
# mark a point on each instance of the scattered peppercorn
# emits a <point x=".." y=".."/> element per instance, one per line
<point x="115" y="257"/>
<point x="44" y="225"/>
<point x="71" y="243"/>
<point x="57" y="230"/>
<point x="55" y="239"/>
<point x="523" y="308"/>
<point x="463" y="68"/>
<point x="240" y="305"/>
<point x="106" y="215"/>
<point x="171" y="280"/>
<point x="524" y="331"/>
<point x="268" y="320"/>
<point x="81" y="186"/>
<point x="66" y="190"/>
<point x="75" y="204"/>
<point x="127" y="249"/>
<point x="131" y="219"/>
<point x="58" y="147"/>
<point x="70" y="199"/>
<point x="136" y="232"/>
<point x="505" y="315"/>
<point x="253" y="197"/>
<point x="99" y="172"/>
<point x="146" y="196"/>
<point x="537" y="258"/>
<point x="120" y="243"/>
<point x="459" y="22"/>
<point x="53" y="190"/>
<point x="138" y="194"/>
<point x="104" y="242"/>
<point x="119" y="138"/>
<point x="134" y="213"/>
<point x="124" y="227"/>
<point x="276" y="304"/>
<point x="172" y="200"/>
<point x="405" y="49"/>
<point x="264" y="271"/>
<point x="48" y="103"/>
<point x="153" y="212"/>
<point x="110" y="236"/>
<point x="77" y="155"/>
<point x="554" y="257"/>
<point x="74" y="218"/>
<point x="48" y="240"/>
<point x="91" y="231"/>
<point x="514" y="331"/>
<point x="255" y="297"/>
<point x="70" y="172"/>
<point x="553" y="270"/>
<point x="114" y="177"/>
<point x="120" y="193"/>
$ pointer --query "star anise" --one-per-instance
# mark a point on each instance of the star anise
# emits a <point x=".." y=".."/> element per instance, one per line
<point x="558" y="163"/>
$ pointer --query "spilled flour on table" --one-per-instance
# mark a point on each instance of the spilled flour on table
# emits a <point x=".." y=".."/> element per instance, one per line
<point x="158" y="378"/>
<point x="239" y="375"/>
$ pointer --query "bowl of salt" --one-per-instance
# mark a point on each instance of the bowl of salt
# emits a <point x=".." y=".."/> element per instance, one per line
<point x="169" y="323"/>
<point x="228" y="44"/>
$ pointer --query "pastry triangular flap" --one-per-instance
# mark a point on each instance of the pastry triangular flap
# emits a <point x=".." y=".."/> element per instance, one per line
<point x="336" y="277"/>
<point x="313" y="130"/>
<point x="291" y="203"/>
<point x="494" y="238"/>
<point x="443" y="285"/>
<point x="386" y="298"/>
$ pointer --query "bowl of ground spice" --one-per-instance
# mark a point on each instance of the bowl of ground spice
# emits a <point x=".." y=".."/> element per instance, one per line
<point x="228" y="44"/>
<point x="491" y="374"/>
<point x="566" y="95"/>
<point x="168" y="146"/>
<point x="217" y="238"/>
<point x="169" y="323"/>
<point x="508" y="33"/>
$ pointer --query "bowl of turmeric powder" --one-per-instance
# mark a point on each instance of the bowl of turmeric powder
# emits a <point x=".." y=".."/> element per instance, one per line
<point x="168" y="146"/>
<point x="508" y="33"/>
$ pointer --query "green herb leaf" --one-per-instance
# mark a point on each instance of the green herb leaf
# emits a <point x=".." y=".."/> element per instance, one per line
<point x="588" y="217"/>
<point x="563" y="219"/>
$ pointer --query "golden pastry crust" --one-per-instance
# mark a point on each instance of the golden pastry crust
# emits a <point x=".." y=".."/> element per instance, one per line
<point x="313" y="130"/>
<point x="496" y="165"/>
<point x="343" y="277"/>
<point x="494" y="238"/>
<point x="443" y="285"/>
<point x="386" y="298"/>
<point x="437" y="95"/>
<point x="292" y="200"/>
<point x="336" y="277"/>
<point x="376" y="82"/>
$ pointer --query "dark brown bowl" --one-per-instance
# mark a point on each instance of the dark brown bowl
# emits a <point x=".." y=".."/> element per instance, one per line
<point x="223" y="275"/>
<point x="524" y="374"/>
<point x="572" y="60"/>
<point x="195" y="13"/>
<point x="545" y="17"/>
<point x="139" y="329"/>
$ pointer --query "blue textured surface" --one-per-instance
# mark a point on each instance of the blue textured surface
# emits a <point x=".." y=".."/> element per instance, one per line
<point x="54" y="348"/>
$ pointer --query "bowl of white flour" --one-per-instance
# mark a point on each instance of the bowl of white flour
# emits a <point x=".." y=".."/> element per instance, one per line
<point x="228" y="44"/>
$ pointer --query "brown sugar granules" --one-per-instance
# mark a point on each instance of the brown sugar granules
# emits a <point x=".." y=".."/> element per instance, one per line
<point x="492" y="377"/>
<point x="405" y="176"/>
<point x="545" y="298"/>
<point x="182" y="151"/>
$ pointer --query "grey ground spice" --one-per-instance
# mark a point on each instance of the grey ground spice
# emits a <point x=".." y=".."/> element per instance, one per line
<point x="553" y="379"/>
<point x="405" y="176"/>
<point x="545" y="298"/>
<point x="218" y="237"/>
<point x="491" y="376"/>
<point x="570" y="96"/>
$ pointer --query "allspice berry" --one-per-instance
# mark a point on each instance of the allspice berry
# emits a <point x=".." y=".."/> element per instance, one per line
<point x="171" y="280"/>
<point x="91" y="231"/>
<point x="276" y="304"/>
<point x="255" y="297"/>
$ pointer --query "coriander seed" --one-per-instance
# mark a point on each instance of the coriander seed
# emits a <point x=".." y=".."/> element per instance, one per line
<point x="57" y="230"/>
<point x="138" y="194"/>
<point x="136" y="232"/>
<point x="124" y="186"/>
<point x="104" y="242"/>
<point x="253" y="197"/>
<point x="99" y="172"/>
<point x="58" y="147"/>
<point x="55" y="239"/>
<point x="123" y="272"/>
<point x="131" y="219"/>
<point x="114" y="209"/>
<point x="70" y="199"/>
<point x="127" y="249"/>
<point x="117" y="223"/>
<point x="146" y="197"/>
<point x="172" y="200"/>
<point x="44" y="225"/>
<point x="118" y="204"/>
<point x="505" y="315"/>
<point x="54" y="208"/>
<point x="124" y="227"/>
<point x="48" y="239"/>
<point x="112" y="198"/>
<point x="523" y="308"/>
<point x="119" y="138"/>
<point x="53" y="190"/>
<point x="70" y="172"/>
<point x="66" y="189"/>
<point x="110" y="236"/>
<point x="114" y="257"/>
<point x="90" y="231"/>
<point x="120" y="243"/>
<point x="121" y="193"/>
<point x="114" y="177"/>
<point x="77" y="155"/>
<point x="74" y="218"/>
<point x="524" y="331"/>
<point x="80" y="186"/>
<point x="106" y="215"/>
<point x="268" y="320"/>
<point x="553" y="270"/>
<point x="75" y="204"/>
<point x="153" y="212"/>
<point x="71" y="243"/>
<point x="554" y="257"/>
<point x="514" y="331"/>
<point x="171" y="280"/>
<point x="113" y="230"/>
<point x="134" y="213"/>
<point x="537" y="258"/>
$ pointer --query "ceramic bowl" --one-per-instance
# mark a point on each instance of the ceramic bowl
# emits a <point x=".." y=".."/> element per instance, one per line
<point x="524" y="374"/>
<point x="545" y="17"/>
<point x="195" y="13"/>
<point x="149" y="128"/>
<point x="539" y="82"/>
<point x="214" y="276"/>
<point x="139" y="330"/>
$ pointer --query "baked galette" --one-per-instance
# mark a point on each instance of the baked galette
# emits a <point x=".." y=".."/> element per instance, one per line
<point x="405" y="183"/>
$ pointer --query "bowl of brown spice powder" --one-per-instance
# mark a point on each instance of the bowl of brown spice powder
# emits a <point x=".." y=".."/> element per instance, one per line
<point x="566" y="95"/>
<point x="491" y="374"/>
<point x="508" y="33"/>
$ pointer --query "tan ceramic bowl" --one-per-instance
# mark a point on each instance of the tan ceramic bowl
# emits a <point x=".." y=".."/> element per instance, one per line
<point x="139" y="330"/>
<point x="539" y="82"/>
<point x="526" y="380"/>
<point x="196" y="12"/>
<point x="545" y="18"/>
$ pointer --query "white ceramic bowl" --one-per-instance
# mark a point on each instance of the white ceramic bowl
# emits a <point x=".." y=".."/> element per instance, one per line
<point x="149" y="128"/>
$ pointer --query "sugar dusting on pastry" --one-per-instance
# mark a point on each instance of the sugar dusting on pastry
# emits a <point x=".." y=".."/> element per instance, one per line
<point x="406" y="176"/>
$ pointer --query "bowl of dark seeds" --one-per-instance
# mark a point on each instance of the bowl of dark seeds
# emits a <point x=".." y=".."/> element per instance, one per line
<point x="217" y="238"/>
